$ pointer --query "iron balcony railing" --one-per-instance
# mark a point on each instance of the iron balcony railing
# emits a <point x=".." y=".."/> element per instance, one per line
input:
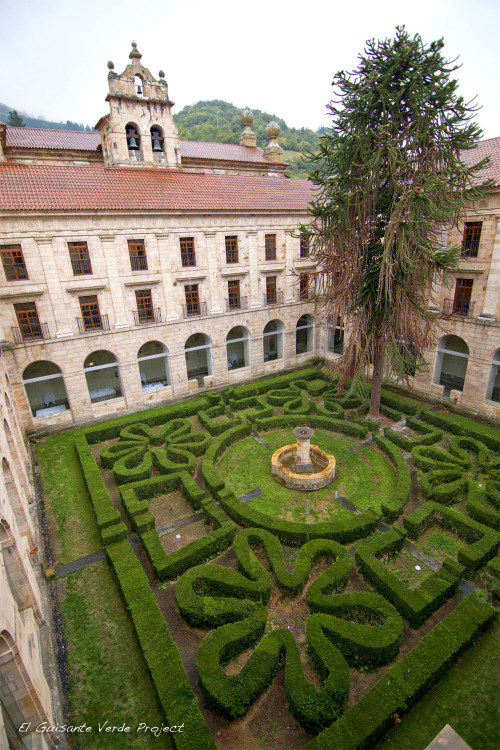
<point x="15" y="271"/>
<point x="236" y="303"/>
<point x="463" y="308"/>
<point x="93" y="323"/>
<point x="194" y="308"/>
<point x="81" y="267"/>
<point x="273" y="298"/>
<point x="139" y="263"/>
<point x="147" y="315"/>
<point x="31" y="332"/>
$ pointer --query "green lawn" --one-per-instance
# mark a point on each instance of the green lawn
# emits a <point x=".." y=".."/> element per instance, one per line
<point x="364" y="477"/>
<point x="467" y="698"/>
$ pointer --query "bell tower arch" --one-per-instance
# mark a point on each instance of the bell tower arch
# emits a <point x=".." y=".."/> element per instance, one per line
<point x="139" y="129"/>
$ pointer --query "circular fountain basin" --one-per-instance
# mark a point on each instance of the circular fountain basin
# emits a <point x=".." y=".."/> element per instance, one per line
<point x="283" y="469"/>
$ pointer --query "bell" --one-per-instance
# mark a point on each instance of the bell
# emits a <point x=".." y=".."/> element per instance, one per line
<point x="139" y="90"/>
<point x="133" y="145"/>
<point x="157" y="145"/>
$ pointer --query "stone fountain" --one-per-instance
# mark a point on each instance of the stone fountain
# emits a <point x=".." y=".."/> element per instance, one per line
<point x="302" y="466"/>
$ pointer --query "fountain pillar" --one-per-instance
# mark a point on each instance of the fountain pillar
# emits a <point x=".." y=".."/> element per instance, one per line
<point x="303" y="462"/>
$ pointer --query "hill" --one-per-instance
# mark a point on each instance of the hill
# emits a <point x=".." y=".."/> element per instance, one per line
<point x="213" y="121"/>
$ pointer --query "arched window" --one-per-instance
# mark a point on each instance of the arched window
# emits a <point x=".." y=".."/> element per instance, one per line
<point x="237" y="348"/>
<point x="335" y="343"/>
<point x="45" y="388"/>
<point x="133" y="137"/>
<point x="304" y="334"/>
<point x="153" y="365"/>
<point x="493" y="390"/>
<point x="139" y="86"/>
<point x="273" y="340"/>
<point x="157" y="140"/>
<point x="198" y="357"/>
<point x="103" y="376"/>
<point x="451" y="363"/>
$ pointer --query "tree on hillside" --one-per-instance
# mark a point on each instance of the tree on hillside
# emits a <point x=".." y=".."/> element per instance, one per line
<point x="389" y="176"/>
<point x="15" y="119"/>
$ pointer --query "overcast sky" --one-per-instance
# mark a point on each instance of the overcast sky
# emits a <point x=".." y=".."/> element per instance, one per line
<point x="276" y="57"/>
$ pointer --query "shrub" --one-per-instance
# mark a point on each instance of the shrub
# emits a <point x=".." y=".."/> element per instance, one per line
<point x="450" y="425"/>
<point x="429" y="436"/>
<point x="416" y="605"/>
<point x="105" y="512"/>
<point x="399" y="404"/>
<point x="394" y="507"/>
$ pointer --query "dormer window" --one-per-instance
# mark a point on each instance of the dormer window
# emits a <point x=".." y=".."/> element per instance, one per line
<point x="139" y="86"/>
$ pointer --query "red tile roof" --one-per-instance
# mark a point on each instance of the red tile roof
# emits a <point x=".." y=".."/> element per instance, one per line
<point x="491" y="148"/>
<point x="78" y="140"/>
<point x="59" y="140"/>
<point x="27" y="187"/>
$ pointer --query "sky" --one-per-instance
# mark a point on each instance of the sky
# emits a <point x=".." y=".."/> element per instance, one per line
<point x="276" y="57"/>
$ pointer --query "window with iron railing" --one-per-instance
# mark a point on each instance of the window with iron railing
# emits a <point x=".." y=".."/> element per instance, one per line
<point x="30" y="328"/>
<point x="80" y="259"/>
<point x="188" y="257"/>
<point x="13" y="263"/>
<point x="145" y="311"/>
<point x="91" y="316"/>
<point x="233" y="291"/>
<point x="231" y="249"/>
<point x="462" y="299"/>
<point x="270" y="246"/>
<point x="138" y="258"/>
<point x="304" y="286"/>
<point x="471" y="239"/>
<point x="304" y="245"/>
<point x="271" y="296"/>
<point x="192" y="300"/>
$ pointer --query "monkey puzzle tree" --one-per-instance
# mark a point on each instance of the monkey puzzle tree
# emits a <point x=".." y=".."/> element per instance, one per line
<point x="390" y="175"/>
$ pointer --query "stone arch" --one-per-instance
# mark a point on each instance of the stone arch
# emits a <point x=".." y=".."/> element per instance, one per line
<point x="102" y="373"/>
<point x="15" y="501"/>
<point x="304" y="334"/>
<point x="132" y="132"/>
<point x="198" y="353"/>
<point x="152" y="359"/>
<point x="45" y="388"/>
<point x="451" y="362"/>
<point x="493" y="389"/>
<point x="272" y="338"/>
<point x="237" y="348"/>
<point x="157" y="140"/>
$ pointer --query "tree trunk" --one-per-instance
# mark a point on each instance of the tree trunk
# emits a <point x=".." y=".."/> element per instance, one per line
<point x="378" y="369"/>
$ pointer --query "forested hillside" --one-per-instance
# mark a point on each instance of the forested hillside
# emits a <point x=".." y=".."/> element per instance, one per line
<point x="213" y="121"/>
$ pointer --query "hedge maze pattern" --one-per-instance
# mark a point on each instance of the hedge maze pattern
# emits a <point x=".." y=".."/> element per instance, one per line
<point x="458" y="475"/>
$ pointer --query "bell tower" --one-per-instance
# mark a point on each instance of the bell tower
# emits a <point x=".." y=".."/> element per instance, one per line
<point x="139" y="129"/>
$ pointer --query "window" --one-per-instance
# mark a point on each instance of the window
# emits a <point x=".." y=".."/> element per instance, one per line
<point x="91" y="317"/>
<point x="188" y="257"/>
<point x="493" y="391"/>
<point x="27" y="318"/>
<point x="45" y="388"/>
<point x="463" y="293"/>
<point x="304" y="334"/>
<point x="237" y="348"/>
<point x="153" y="365"/>
<point x="198" y="357"/>
<point x="231" y="249"/>
<point x="137" y="252"/>
<point x="103" y="376"/>
<point x="304" y="245"/>
<point x="271" y="291"/>
<point x="192" y="299"/>
<point x="273" y="340"/>
<point x="304" y="286"/>
<point x="233" y="289"/>
<point x="80" y="259"/>
<point x="144" y="307"/>
<point x="451" y="363"/>
<point x="336" y="338"/>
<point x="13" y="263"/>
<point x="471" y="239"/>
<point x="270" y="245"/>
